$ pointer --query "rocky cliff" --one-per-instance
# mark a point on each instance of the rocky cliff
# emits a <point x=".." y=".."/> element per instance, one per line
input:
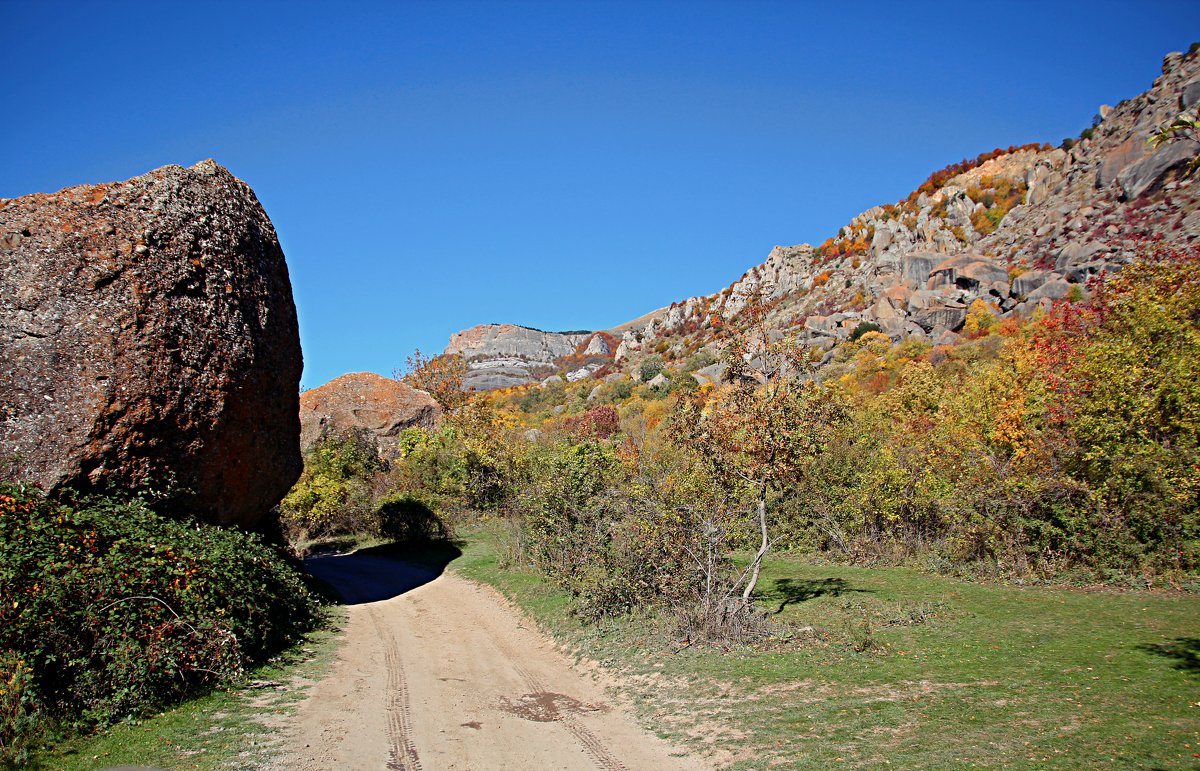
<point x="1014" y="229"/>
<point x="148" y="334"/>
<point x="503" y="355"/>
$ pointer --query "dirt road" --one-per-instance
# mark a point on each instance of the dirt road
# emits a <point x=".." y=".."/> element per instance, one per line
<point x="436" y="672"/>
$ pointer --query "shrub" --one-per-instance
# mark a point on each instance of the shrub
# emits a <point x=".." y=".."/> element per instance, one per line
<point x="408" y="519"/>
<point x="650" y="367"/>
<point x="333" y="494"/>
<point x="980" y="318"/>
<point x="863" y="328"/>
<point x="597" y="423"/>
<point x="19" y="727"/>
<point x="115" y="609"/>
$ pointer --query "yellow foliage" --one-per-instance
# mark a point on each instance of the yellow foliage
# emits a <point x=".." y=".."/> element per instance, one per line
<point x="980" y="318"/>
<point x="875" y="342"/>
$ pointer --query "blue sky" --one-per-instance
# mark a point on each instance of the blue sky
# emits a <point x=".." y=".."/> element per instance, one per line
<point x="434" y="165"/>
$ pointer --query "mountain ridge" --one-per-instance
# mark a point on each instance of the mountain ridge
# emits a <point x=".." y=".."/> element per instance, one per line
<point x="1015" y="229"/>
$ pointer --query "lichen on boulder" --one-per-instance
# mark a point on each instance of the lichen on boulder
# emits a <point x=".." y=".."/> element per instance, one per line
<point x="149" y="336"/>
<point x="376" y="406"/>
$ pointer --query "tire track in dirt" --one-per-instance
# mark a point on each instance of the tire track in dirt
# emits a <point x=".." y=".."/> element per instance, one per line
<point x="588" y="740"/>
<point x="403" y="755"/>
<point x="443" y="673"/>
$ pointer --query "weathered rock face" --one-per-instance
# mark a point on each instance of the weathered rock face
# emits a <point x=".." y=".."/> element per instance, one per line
<point x="380" y="406"/>
<point x="1016" y="230"/>
<point x="147" y="330"/>
<point x="502" y="355"/>
<point x="915" y="267"/>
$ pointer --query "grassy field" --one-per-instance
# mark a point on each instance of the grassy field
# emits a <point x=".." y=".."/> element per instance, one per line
<point x="866" y="668"/>
<point x="237" y="728"/>
<point x="876" y="667"/>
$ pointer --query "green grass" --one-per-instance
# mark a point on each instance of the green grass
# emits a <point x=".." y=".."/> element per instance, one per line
<point x="874" y="667"/>
<point x="237" y="728"/>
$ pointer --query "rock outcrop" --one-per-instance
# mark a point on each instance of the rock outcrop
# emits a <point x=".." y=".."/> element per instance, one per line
<point x="503" y="355"/>
<point x="378" y="406"/>
<point x="1016" y="230"/>
<point x="148" y="334"/>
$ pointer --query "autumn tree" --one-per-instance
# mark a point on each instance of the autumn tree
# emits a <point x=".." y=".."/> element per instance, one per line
<point x="760" y="433"/>
<point x="1125" y="368"/>
<point x="439" y="376"/>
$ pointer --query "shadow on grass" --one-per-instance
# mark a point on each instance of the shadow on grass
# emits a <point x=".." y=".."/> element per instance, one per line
<point x="382" y="572"/>
<point x="791" y="591"/>
<point x="1184" y="650"/>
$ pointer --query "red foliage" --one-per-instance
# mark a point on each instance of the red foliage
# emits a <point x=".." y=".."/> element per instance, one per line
<point x="938" y="179"/>
<point x="606" y="337"/>
<point x="596" y="423"/>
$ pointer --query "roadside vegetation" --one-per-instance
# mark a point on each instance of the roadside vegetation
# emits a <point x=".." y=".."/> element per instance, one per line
<point x="231" y="727"/>
<point x="984" y="553"/>
<point x="111" y="611"/>
<point x="869" y="667"/>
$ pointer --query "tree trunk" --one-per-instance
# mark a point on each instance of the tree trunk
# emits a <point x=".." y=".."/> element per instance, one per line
<point x="756" y="566"/>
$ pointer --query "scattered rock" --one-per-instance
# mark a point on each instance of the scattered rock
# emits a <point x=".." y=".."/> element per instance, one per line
<point x="981" y="272"/>
<point x="597" y="346"/>
<point x="713" y="373"/>
<point x="941" y="316"/>
<point x="917" y="267"/>
<point x="1054" y="290"/>
<point x="1190" y="96"/>
<point x="1029" y="281"/>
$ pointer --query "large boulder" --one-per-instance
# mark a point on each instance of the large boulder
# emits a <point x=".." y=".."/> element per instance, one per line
<point x="941" y="317"/>
<point x="378" y="406"/>
<point x="917" y="267"/>
<point x="1189" y="97"/>
<point x="1142" y="176"/>
<point x="148" y="335"/>
<point x="981" y="273"/>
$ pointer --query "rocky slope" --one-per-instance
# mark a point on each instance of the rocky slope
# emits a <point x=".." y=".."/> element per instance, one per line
<point x="148" y="333"/>
<point x="1013" y="229"/>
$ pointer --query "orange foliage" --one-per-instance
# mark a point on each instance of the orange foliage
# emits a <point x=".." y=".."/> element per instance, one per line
<point x="938" y="179"/>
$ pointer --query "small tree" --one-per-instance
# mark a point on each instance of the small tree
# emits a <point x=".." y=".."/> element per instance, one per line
<point x="760" y="433"/>
<point x="439" y="376"/>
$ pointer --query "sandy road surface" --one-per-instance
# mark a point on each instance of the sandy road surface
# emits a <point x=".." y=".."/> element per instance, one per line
<point x="440" y="673"/>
